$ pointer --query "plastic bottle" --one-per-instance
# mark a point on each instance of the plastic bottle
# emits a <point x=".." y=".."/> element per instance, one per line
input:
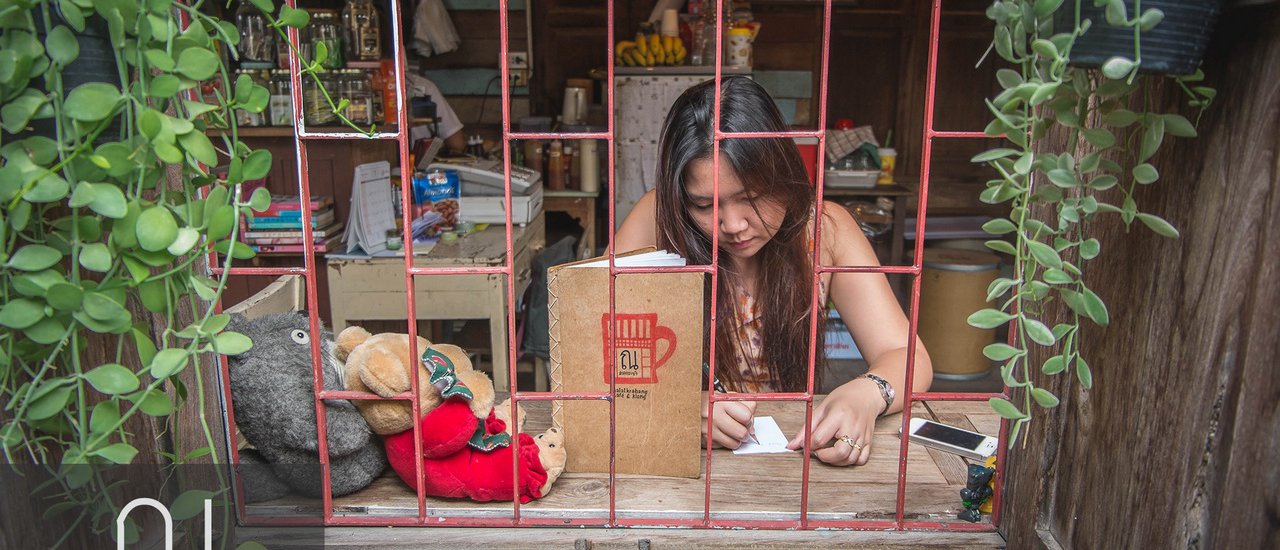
<point x="570" y="156"/>
<point x="555" y="166"/>
<point x="390" y="111"/>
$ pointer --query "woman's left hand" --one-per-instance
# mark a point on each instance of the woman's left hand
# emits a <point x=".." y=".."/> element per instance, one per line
<point x="843" y="424"/>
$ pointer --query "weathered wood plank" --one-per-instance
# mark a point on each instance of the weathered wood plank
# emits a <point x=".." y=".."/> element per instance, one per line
<point x="599" y="539"/>
<point x="1177" y="443"/>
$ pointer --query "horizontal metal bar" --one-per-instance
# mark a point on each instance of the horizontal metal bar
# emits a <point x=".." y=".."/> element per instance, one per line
<point x="359" y="395"/>
<point x="558" y="135"/>
<point x="500" y="270"/>
<point x="820" y="134"/>
<point x="568" y="396"/>
<point x="729" y="397"/>
<point x="961" y="134"/>
<point x="261" y="270"/>
<point x="674" y="269"/>
<point x="887" y="269"/>
<point x="955" y="396"/>
<point x="389" y="136"/>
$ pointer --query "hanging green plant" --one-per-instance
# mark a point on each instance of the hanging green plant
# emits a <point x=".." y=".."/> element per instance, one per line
<point x="107" y="201"/>
<point x="1111" y="137"/>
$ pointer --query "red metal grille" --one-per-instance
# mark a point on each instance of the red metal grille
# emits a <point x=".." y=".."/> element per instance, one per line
<point x="308" y="271"/>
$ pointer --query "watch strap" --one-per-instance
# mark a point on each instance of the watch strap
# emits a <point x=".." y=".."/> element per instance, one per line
<point x="886" y="390"/>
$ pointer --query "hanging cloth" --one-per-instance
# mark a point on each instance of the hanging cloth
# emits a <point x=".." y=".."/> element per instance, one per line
<point x="433" y="31"/>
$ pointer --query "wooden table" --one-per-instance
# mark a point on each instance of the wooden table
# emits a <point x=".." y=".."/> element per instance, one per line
<point x="761" y="487"/>
<point x="581" y="206"/>
<point x="364" y="289"/>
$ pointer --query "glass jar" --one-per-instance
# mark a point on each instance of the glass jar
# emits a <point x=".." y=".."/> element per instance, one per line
<point x="316" y="110"/>
<point x="361" y="25"/>
<point x="257" y="39"/>
<point x="361" y="97"/>
<point x="324" y="28"/>
<point x="280" y="108"/>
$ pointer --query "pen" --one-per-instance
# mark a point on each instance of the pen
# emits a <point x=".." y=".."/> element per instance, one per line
<point x="718" y="386"/>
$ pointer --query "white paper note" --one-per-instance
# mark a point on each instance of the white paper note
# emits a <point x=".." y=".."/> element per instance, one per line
<point x="769" y="436"/>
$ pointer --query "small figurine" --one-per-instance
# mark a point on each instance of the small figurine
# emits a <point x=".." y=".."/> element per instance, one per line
<point x="976" y="492"/>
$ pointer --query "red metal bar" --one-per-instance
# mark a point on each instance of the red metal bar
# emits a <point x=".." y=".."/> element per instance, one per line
<point x="309" y="264"/>
<point x="406" y="201"/>
<point x="613" y="306"/>
<point x="567" y="396"/>
<point x="786" y="397"/>
<point x="926" y="157"/>
<point x="886" y="269"/>
<point x="359" y="395"/>
<point x="816" y="307"/>
<point x="559" y="135"/>
<point x="474" y="270"/>
<point x="504" y="48"/>
<point x="258" y="270"/>
<point x="955" y="396"/>
<point x="960" y="135"/>
<point x="329" y="136"/>
<point x="715" y="256"/>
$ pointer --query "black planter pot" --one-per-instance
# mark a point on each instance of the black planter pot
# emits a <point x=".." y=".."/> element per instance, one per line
<point x="96" y="63"/>
<point x="1175" y="46"/>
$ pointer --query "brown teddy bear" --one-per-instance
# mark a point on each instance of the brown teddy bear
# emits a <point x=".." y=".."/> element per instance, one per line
<point x="465" y="440"/>
<point x="380" y="364"/>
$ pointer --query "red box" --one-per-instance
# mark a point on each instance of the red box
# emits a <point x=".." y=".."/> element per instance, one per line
<point x="808" y="147"/>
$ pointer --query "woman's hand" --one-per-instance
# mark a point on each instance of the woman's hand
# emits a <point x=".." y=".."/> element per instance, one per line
<point x="732" y="424"/>
<point x="843" y="424"/>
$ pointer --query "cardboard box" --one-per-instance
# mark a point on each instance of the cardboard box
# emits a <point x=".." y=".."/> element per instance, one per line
<point x="657" y="361"/>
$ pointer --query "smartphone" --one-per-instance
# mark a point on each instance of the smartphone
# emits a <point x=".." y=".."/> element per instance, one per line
<point x="952" y="439"/>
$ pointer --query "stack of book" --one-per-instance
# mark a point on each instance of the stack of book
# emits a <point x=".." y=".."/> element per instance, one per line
<point x="278" y="230"/>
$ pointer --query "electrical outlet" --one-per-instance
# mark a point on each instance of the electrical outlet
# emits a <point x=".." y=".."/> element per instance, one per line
<point x="519" y="78"/>
<point x="517" y="60"/>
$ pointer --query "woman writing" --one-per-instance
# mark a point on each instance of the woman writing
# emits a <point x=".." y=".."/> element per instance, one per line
<point x="765" y="230"/>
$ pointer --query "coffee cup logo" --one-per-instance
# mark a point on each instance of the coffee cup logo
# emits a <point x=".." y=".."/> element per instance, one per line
<point x="635" y="354"/>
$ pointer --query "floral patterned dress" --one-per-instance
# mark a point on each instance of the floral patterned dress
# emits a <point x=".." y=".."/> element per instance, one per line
<point x="750" y="322"/>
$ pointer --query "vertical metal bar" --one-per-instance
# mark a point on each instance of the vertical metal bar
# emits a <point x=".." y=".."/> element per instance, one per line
<point x="715" y="251"/>
<point x="509" y="263"/>
<point x="613" y="306"/>
<point x="926" y="158"/>
<point x="815" y="306"/>
<point x="309" y="263"/>
<point x="411" y="304"/>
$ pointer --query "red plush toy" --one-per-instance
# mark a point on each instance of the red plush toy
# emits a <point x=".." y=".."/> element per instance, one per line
<point x="456" y="465"/>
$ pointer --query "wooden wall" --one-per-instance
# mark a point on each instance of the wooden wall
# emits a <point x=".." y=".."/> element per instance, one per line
<point x="1177" y="444"/>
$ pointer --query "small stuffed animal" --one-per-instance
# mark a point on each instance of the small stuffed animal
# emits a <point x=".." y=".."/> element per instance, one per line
<point x="464" y="471"/>
<point x="466" y="450"/>
<point x="274" y="402"/>
<point x="381" y="364"/>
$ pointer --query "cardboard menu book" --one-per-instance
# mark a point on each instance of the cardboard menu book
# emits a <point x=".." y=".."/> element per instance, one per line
<point x="657" y="362"/>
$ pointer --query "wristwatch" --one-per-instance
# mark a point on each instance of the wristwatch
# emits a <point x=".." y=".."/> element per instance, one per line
<point x="886" y="391"/>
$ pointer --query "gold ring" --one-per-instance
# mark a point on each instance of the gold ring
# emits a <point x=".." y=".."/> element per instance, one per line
<point x="850" y="442"/>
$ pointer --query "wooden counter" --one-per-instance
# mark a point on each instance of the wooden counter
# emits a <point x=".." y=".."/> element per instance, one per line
<point x="758" y="487"/>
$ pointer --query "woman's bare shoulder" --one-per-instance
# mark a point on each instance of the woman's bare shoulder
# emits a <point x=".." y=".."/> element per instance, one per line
<point x="842" y="237"/>
<point x="640" y="229"/>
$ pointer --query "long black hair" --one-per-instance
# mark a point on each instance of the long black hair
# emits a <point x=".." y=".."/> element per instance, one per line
<point x="771" y="171"/>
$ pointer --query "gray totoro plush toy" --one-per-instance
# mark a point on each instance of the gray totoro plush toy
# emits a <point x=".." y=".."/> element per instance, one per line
<point x="273" y="398"/>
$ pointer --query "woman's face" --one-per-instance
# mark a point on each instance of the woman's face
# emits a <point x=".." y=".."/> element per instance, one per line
<point x="743" y="230"/>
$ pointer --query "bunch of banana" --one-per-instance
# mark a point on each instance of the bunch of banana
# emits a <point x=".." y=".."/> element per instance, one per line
<point x="650" y="50"/>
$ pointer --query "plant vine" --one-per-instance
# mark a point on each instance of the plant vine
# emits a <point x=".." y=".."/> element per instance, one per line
<point x="107" y="203"/>
<point x="1111" y="135"/>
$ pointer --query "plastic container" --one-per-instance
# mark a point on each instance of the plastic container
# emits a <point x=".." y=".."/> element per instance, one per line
<point x="738" y="53"/>
<point x="953" y="286"/>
